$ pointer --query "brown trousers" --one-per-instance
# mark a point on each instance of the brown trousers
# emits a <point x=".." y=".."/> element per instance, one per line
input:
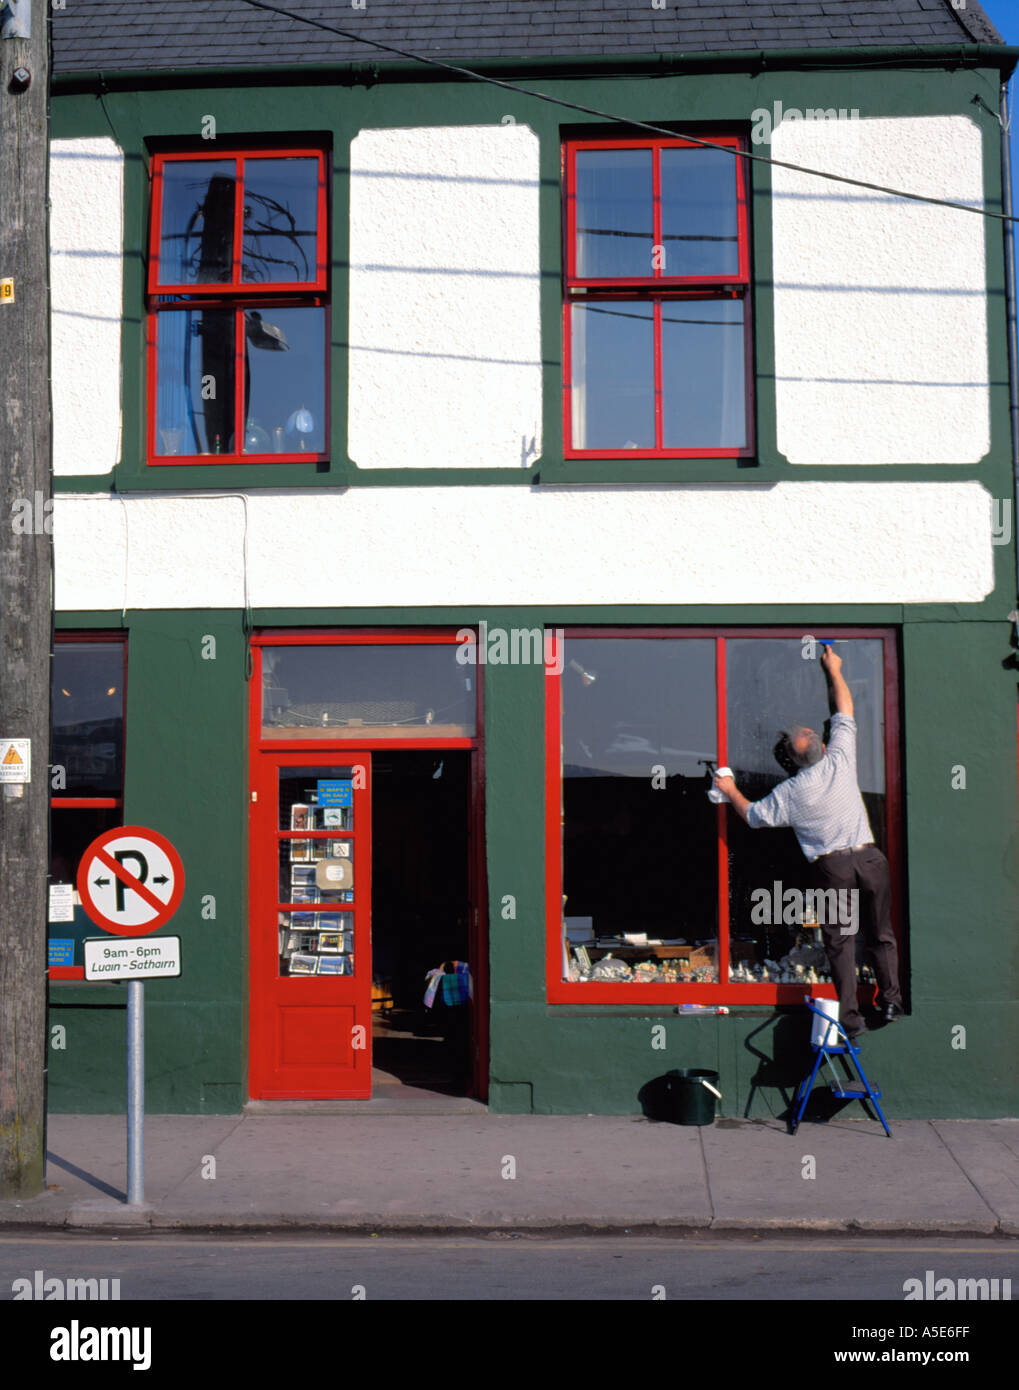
<point x="866" y="871"/>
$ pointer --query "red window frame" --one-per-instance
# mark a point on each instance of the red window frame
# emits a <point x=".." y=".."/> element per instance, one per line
<point x="657" y="288"/>
<point x="560" y="991"/>
<point x="88" y="803"/>
<point x="236" y="294"/>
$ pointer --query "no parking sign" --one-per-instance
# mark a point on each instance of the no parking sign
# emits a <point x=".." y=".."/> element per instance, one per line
<point x="130" y="880"/>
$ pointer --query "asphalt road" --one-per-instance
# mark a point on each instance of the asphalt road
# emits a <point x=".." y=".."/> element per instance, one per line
<point x="313" y="1267"/>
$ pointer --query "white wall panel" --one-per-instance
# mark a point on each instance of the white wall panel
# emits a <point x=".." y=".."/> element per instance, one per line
<point x="792" y="543"/>
<point x="881" y="351"/>
<point x="445" y="344"/>
<point x="86" y="303"/>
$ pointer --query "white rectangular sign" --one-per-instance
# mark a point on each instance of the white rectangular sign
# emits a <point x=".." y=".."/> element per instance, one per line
<point x="61" y="902"/>
<point x="113" y="958"/>
<point x="15" y="760"/>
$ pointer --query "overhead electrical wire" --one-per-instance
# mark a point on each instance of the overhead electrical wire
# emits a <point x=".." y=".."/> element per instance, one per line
<point x="623" y="120"/>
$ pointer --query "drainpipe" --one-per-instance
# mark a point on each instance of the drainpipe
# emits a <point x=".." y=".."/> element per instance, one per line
<point x="1013" y="341"/>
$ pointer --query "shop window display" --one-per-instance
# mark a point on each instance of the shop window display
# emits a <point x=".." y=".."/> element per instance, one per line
<point x="658" y="886"/>
<point x="638" y="738"/>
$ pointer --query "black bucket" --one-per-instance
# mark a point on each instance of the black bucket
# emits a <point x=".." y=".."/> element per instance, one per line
<point x="689" y="1101"/>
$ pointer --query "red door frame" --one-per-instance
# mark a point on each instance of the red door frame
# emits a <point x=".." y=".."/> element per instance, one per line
<point x="271" y="992"/>
<point x="331" y="750"/>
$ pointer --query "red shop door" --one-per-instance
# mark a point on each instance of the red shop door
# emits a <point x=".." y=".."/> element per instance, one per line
<point x="310" y="922"/>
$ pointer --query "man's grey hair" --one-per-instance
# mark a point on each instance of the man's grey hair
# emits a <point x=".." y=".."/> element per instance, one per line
<point x="810" y="749"/>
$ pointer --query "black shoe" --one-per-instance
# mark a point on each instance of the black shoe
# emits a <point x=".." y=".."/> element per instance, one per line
<point x="892" y="1012"/>
<point x="857" y="1032"/>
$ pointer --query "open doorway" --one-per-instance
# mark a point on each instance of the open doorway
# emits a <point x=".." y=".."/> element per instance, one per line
<point x="421" y="910"/>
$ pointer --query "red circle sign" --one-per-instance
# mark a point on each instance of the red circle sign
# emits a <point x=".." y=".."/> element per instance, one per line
<point x="130" y="880"/>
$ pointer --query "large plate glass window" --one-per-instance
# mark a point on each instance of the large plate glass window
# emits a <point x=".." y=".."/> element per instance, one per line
<point x="638" y="733"/>
<point x="657" y="315"/>
<point x="774" y="920"/>
<point x="648" y="882"/>
<point x="237" y="287"/>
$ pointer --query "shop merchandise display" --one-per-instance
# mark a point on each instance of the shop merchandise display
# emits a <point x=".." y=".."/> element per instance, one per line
<point x="598" y="959"/>
<point x="316" y="937"/>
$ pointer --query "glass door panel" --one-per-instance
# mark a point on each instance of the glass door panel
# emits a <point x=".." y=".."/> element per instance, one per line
<point x="315" y="854"/>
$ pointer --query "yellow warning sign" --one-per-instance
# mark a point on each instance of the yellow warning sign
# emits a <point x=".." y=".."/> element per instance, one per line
<point x="15" y="760"/>
<point x="6" y="291"/>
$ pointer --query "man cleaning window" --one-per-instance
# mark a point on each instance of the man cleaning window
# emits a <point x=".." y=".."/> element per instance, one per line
<point x="822" y="804"/>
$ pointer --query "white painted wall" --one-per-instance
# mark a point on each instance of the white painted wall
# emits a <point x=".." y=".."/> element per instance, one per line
<point x="86" y="304"/>
<point x="445" y="355"/>
<point x="792" y="543"/>
<point x="881" y="352"/>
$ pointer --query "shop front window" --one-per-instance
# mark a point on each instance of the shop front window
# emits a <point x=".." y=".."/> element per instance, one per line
<point x="652" y="884"/>
<point x="86" y="779"/>
<point x="773" y="918"/>
<point x="638" y="730"/>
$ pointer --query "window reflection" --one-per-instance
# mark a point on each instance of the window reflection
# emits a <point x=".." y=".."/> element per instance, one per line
<point x="88" y="717"/>
<point x="284" y="381"/>
<point x="770" y="685"/>
<point x="613" y="375"/>
<point x="638" y="735"/>
<point x="347" y="691"/>
<point x="195" y="370"/>
<point x="640" y="840"/>
<point x="280" y="220"/>
<point x="196" y="236"/>
<point x="703" y="377"/>
<point x="615" y="233"/>
<point x="699" y="216"/>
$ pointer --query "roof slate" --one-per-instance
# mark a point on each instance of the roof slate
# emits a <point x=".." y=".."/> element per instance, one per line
<point x="111" y="35"/>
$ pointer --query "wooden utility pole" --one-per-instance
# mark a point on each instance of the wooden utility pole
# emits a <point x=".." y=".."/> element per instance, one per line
<point x="26" y="568"/>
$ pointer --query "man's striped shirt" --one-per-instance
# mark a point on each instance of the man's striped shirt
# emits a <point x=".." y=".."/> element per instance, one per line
<point x="822" y="804"/>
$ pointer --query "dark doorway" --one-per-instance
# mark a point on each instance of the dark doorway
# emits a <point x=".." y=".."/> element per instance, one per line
<point x="420" y="917"/>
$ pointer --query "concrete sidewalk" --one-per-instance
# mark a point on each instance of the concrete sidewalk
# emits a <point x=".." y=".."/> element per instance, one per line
<point x="476" y="1171"/>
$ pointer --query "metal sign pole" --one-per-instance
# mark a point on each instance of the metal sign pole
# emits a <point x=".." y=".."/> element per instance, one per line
<point x="135" y="1092"/>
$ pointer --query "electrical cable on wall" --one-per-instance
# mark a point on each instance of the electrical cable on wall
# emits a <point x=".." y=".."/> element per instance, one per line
<point x="247" y="621"/>
<point x="624" y="120"/>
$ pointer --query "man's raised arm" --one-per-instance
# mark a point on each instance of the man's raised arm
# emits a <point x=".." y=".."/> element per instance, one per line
<point x="840" y="700"/>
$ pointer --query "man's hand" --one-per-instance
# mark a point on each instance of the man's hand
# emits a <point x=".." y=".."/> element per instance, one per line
<point x="737" y="800"/>
<point x="840" y="701"/>
<point x="830" y="661"/>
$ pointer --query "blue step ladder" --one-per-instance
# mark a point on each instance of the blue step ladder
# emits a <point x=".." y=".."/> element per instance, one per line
<point x="824" y="1051"/>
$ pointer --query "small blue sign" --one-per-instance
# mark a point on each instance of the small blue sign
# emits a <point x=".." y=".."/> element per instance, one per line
<point x="61" y="951"/>
<point x="335" y="793"/>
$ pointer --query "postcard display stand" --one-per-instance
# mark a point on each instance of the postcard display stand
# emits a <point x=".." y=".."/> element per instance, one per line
<point x="316" y="885"/>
